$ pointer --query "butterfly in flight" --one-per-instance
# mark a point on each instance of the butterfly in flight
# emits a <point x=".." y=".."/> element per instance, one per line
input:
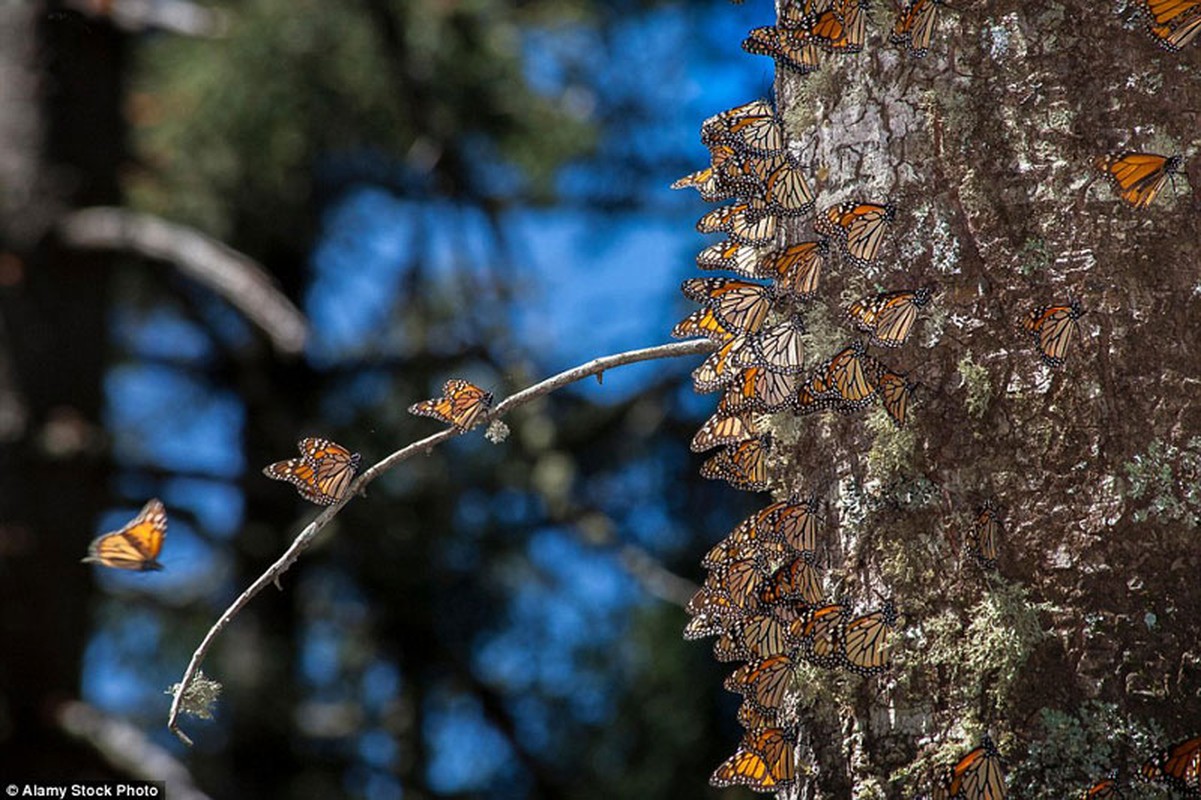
<point x="1053" y="328"/>
<point x="460" y="405"/>
<point x="136" y="545"/>
<point x="1138" y="177"/>
<point x="322" y="474"/>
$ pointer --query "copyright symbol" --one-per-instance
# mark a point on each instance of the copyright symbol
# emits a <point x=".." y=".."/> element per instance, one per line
<point x="12" y="790"/>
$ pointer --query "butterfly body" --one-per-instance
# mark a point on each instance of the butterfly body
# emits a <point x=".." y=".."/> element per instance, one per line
<point x="136" y="545"/>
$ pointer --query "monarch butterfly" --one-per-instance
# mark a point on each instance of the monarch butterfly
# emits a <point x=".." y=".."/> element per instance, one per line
<point x="724" y="428"/>
<point x="763" y="682"/>
<point x="743" y="222"/>
<point x="978" y="774"/>
<point x="1163" y="12"/>
<point x="889" y="316"/>
<point x="1179" y="766"/>
<point x="740" y="306"/>
<point x="1138" y="177"/>
<point x="702" y="322"/>
<point x="752" y="718"/>
<point x="1104" y="789"/>
<point x="764" y="762"/>
<point x="779" y="348"/>
<point x="135" y="545"/>
<point x="745" y="541"/>
<point x="797" y="580"/>
<point x="858" y="228"/>
<point x="792" y="49"/>
<point x="843" y="30"/>
<point x="763" y="635"/>
<point x="720" y="366"/>
<point x="752" y="129"/>
<point x="820" y="632"/>
<point x="728" y="648"/>
<point x="743" y="259"/>
<point x="461" y="404"/>
<point x="915" y="25"/>
<point x="323" y="472"/>
<point x="759" y="389"/>
<point x="1053" y="327"/>
<point x="743" y="466"/>
<point x="847" y="381"/>
<point x="865" y="640"/>
<point x="706" y="183"/>
<point x="713" y="614"/>
<point x="984" y="543"/>
<point x="1173" y="23"/>
<point x="784" y="188"/>
<point x="797" y="270"/>
<point x="731" y="590"/>
<point x="792" y="524"/>
<point x="895" y="393"/>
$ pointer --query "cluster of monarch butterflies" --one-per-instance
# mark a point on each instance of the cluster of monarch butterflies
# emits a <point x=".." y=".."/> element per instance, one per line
<point x="763" y="600"/>
<point x="808" y="28"/>
<point x="759" y="365"/>
<point x="322" y="475"/>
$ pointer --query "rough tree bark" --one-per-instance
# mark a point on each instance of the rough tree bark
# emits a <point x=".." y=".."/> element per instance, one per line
<point x="1080" y="654"/>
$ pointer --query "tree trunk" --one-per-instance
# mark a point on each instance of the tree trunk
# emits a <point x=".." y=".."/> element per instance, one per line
<point x="1080" y="653"/>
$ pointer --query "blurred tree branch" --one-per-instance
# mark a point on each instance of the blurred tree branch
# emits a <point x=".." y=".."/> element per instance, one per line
<point x="236" y="277"/>
<point x="125" y="747"/>
<point x="174" y="16"/>
<point x="597" y="367"/>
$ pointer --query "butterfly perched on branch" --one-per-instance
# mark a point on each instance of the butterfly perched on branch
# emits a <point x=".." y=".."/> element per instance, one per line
<point x="460" y="405"/>
<point x="323" y="472"/>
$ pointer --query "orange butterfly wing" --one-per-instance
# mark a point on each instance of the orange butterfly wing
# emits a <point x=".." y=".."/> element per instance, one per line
<point x="1138" y="177"/>
<point x="135" y="546"/>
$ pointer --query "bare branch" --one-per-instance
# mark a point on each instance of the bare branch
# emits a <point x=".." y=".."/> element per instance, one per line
<point x="305" y="537"/>
<point x="127" y="748"/>
<point x="234" y="276"/>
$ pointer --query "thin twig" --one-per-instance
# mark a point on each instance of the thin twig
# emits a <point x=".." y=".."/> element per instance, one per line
<point x="305" y="537"/>
<point x="241" y="280"/>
